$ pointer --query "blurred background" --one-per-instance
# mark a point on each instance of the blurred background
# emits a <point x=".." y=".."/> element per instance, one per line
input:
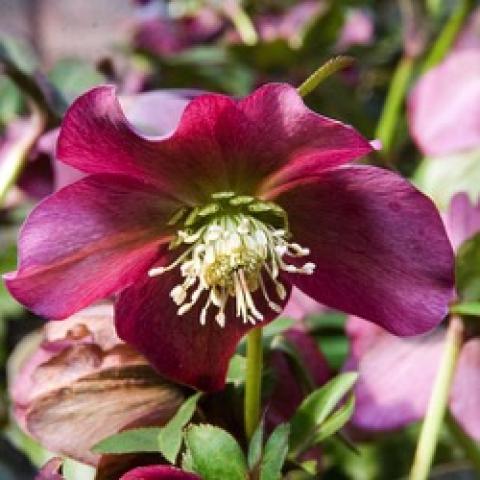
<point x="53" y="50"/>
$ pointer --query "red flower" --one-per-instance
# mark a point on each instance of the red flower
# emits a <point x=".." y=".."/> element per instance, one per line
<point x="202" y="232"/>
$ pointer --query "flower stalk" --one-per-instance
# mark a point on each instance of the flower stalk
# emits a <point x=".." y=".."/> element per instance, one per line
<point x="438" y="402"/>
<point x="322" y="73"/>
<point x="253" y="381"/>
<point x="393" y="104"/>
<point x="242" y="23"/>
<point x="447" y="36"/>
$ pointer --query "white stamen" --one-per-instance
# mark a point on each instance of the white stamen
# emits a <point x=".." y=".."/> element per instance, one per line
<point x="227" y="258"/>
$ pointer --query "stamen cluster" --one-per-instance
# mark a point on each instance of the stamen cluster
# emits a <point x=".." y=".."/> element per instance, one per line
<point x="232" y="247"/>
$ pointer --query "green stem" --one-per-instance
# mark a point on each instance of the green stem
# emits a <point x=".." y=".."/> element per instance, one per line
<point x="438" y="402"/>
<point x="242" y="23"/>
<point x="318" y="76"/>
<point x="469" y="446"/>
<point x="393" y="103"/>
<point x="447" y="36"/>
<point x="253" y="382"/>
<point x="17" y="156"/>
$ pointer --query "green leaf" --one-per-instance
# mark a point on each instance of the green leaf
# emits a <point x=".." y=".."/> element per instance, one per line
<point x="73" y="77"/>
<point x="171" y="435"/>
<point x="323" y="72"/>
<point x="130" y="441"/>
<point x="187" y="461"/>
<point x="467" y="308"/>
<point x="10" y="100"/>
<point x="467" y="270"/>
<point x="256" y="447"/>
<point x="17" y="52"/>
<point x="315" y="409"/>
<point x="8" y="261"/>
<point x="215" y="454"/>
<point x="319" y="322"/>
<point x="278" y="326"/>
<point x="276" y="451"/>
<point x="236" y="370"/>
<point x="336" y="421"/>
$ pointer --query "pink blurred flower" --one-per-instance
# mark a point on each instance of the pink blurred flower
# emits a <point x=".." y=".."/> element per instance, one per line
<point x="160" y="34"/>
<point x="397" y="375"/>
<point x="222" y="185"/>
<point x="358" y="29"/>
<point x="470" y="35"/>
<point x="300" y="306"/>
<point x="444" y="105"/>
<point x="290" y="25"/>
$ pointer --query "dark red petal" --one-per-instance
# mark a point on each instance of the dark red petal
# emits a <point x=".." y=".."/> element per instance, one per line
<point x="465" y="396"/>
<point x="289" y="141"/>
<point x="220" y="144"/>
<point x="179" y="347"/>
<point x="96" y="137"/>
<point x="379" y="245"/>
<point x="159" y="472"/>
<point x="88" y="241"/>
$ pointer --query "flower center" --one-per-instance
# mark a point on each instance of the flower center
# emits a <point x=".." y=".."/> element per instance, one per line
<point x="233" y="247"/>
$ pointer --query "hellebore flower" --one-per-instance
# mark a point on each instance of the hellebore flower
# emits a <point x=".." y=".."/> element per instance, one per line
<point x="397" y="375"/>
<point x="202" y="232"/>
<point x="82" y="384"/>
<point x="444" y="106"/>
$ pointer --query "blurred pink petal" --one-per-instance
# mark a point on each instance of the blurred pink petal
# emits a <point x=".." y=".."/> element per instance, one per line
<point x="470" y="36"/>
<point x="289" y="25"/>
<point x="462" y="220"/>
<point x="396" y="379"/>
<point x="465" y="394"/>
<point x="444" y="106"/>
<point x="301" y="306"/>
<point x="358" y="29"/>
